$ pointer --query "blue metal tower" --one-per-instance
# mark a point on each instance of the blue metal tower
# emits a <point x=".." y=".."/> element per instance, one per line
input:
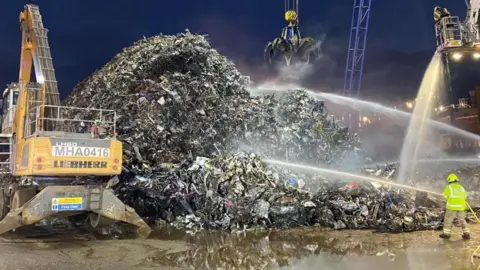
<point x="356" y="47"/>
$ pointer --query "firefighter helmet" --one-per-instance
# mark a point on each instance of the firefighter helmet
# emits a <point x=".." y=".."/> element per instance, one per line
<point x="452" y="178"/>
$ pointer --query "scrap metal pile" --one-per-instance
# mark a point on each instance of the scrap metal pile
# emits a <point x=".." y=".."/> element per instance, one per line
<point x="190" y="128"/>
<point x="176" y="97"/>
<point x="239" y="191"/>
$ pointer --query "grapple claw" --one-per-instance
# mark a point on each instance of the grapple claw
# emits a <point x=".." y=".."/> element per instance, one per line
<point x="268" y="52"/>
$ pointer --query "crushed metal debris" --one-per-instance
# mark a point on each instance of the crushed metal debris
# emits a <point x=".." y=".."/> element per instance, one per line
<point x="194" y="140"/>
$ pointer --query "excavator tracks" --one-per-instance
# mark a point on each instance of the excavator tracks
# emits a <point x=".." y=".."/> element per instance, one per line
<point x="34" y="234"/>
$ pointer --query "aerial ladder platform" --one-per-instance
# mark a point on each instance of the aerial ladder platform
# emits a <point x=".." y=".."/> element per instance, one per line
<point x="50" y="153"/>
<point x="455" y="36"/>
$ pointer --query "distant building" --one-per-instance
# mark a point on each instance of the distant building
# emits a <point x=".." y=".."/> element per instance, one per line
<point x="465" y="116"/>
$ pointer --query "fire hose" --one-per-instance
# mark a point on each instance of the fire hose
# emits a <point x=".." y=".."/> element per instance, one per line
<point x="474" y="252"/>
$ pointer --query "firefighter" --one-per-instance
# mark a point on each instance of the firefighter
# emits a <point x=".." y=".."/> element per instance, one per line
<point x="439" y="13"/>
<point x="443" y="35"/>
<point x="456" y="197"/>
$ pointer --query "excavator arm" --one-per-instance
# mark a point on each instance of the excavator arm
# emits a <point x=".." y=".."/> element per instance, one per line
<point x="35" y="50"/>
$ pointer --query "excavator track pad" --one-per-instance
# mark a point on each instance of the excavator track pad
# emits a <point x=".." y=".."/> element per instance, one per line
<point x="41" y="234"/>
<point x="68" y="201"/>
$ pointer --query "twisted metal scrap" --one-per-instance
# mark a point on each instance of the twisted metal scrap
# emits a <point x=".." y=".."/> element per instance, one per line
<point x="179" y="100"/>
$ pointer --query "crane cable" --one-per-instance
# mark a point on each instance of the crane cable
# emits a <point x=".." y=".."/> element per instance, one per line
<point x="293" y="6"/>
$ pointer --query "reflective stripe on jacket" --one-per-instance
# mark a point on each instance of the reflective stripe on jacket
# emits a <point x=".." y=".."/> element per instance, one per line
<point x="437" y="15"/>
<point x="456" y="197"/>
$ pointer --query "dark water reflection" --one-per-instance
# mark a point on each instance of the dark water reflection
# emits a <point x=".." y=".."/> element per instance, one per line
<point x="316" y="249"/>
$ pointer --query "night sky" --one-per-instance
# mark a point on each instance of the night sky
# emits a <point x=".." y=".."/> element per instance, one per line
<point x="85" y="34"/>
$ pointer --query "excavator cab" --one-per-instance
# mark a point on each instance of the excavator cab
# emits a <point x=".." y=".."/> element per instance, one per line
<point x="9" y="101"/>
<point x="7" y="115"/>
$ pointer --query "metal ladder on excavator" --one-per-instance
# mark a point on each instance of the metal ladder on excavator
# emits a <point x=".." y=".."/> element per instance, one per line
<point x="5" y="153"/>
<point x="45" y="58"/>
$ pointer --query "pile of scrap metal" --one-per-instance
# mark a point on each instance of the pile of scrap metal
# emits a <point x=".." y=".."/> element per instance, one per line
<point x="240" y="191"/>
<point x="194" y="140"/>
<point x="178" y="98"/>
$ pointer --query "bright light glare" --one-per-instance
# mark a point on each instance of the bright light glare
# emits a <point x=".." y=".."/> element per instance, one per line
<point x="457" y="56"/>
<point x="40" y="79"/>
<point x="476" y="55"/>
<point x="409" y="105"/>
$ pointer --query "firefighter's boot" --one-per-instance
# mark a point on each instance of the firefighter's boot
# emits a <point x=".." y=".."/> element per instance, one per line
<point x="444" y="236"/>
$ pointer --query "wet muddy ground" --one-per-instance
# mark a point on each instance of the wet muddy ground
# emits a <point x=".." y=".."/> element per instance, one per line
<point x="310" y="248"/>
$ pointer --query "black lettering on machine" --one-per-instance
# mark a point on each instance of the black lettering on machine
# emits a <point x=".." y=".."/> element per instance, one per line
<point x="74" y="164"/>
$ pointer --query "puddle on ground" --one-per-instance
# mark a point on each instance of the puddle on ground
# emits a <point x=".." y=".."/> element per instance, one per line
<point x="315" y="248"/>
<point x="308" y="248"/>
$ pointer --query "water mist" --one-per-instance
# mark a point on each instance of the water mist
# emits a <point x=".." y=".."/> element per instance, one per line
<point x="418" y="130"/>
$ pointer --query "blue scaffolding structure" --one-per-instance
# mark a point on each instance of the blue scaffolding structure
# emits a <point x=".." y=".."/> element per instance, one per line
<point x="356" y="47"/>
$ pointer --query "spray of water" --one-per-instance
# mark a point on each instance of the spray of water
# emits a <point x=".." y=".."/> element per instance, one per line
<point x="365" y="105"/>
<point x="295" y="72"/>
<point x="355" y="176"/>
<point x="462" y="161"/>
<point x="417" y="130"/>
<point x="452" y="160"/>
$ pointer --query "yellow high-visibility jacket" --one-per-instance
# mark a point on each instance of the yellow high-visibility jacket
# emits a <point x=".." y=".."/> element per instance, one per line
<point x="456" y="197"/>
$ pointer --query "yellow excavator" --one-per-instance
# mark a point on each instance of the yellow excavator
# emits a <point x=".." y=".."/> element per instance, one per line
<point x="50" y="153"/>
